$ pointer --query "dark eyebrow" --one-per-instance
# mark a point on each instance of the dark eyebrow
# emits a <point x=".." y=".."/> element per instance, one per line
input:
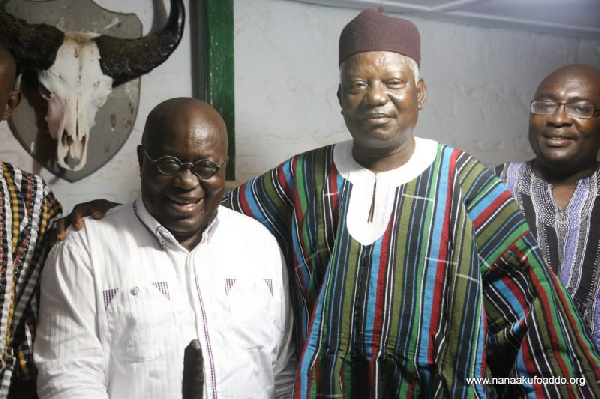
<point x="576" y="99"/>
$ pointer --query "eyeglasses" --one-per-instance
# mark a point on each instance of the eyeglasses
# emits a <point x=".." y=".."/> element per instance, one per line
<point x="581" y="109"/>
<point x="169" y="166"/>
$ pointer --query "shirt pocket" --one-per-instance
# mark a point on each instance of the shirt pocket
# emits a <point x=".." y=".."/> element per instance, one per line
<point x="250" y="310"/>
<point x="140" y="322"/>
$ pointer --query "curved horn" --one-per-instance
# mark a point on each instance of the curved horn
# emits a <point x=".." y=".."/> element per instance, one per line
<point x="32" y="45"/>
<point x="127" y="59"/>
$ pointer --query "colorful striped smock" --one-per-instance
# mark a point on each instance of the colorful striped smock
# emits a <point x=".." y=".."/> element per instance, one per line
<point x="29" y="212"/>
<point x="442" y="284"/>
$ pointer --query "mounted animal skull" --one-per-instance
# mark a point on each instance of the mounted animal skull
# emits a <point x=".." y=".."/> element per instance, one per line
<point x="75" y="88"/>
<point x="77" y="72"/>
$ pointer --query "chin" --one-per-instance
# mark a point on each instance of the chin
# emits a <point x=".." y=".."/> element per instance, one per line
<point x="557" y="157"/>
<point x="191" y="228"/>
<point x="559" y="164"/>
<point x="385" y="141"/>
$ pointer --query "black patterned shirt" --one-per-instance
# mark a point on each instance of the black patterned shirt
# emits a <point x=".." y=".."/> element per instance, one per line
<point x="569" y="239"/>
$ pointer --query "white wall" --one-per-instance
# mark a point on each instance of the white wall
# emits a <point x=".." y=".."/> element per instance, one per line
<point x="479" y="82"/>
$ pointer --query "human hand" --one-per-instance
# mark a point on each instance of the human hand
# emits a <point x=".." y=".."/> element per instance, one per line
<point x="193" y="371"/>
<point x="95" y="208"/>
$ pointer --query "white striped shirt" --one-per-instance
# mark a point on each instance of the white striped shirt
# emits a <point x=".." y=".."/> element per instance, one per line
<point x="121" y="299"/>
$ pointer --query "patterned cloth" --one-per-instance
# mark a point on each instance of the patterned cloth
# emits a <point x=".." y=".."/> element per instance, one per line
<point x="453" y="286"/>
<point x="29" y="211"/>
<point x="569" y="239"/>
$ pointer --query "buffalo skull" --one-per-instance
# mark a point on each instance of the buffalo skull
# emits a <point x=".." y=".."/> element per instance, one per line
<point x="77" y="72"/>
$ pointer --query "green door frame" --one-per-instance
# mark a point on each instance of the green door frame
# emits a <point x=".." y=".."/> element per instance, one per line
<point x="212" y="63"/>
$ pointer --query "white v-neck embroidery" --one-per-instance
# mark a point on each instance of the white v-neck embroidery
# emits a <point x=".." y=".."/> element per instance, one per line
<point x="385" y="184"/>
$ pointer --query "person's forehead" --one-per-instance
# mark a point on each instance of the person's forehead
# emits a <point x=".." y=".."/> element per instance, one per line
<point x="195" y="140"/>
<point x="377" y="62"/>
<point x="378" y="58"/>
<point x="181" y="122"/>
<point x="575" y="83"/>
<point x="184" y="133"/>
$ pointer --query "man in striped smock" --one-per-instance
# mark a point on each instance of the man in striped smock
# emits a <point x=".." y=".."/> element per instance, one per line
<point x="28" y="214"/>
<point x="412" y="269"/>
<point x="559" y="190"/>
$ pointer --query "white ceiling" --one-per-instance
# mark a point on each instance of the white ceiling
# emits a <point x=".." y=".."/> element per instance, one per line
<point x="572" y="18"/>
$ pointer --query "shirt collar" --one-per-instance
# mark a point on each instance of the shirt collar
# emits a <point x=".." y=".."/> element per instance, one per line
<point x="423" y="156"/>
<point x="161" y="233"/>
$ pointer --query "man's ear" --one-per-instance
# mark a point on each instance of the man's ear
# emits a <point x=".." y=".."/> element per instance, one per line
<point x="14" y="98"/>
<point x="339" y="94"/>
<point x="421" y="93"/>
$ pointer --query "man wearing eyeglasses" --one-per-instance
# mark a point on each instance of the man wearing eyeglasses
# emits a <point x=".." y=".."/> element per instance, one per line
<point x="122" y="298"/>
<point x="559" y="190"/>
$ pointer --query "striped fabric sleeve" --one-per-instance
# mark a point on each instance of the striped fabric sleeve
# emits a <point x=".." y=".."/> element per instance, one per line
<point x="268" y="199"/>
<point x="533" y="329"/>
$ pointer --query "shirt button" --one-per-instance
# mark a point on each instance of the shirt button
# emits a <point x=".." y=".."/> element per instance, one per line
<point x="135" y="290"/>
